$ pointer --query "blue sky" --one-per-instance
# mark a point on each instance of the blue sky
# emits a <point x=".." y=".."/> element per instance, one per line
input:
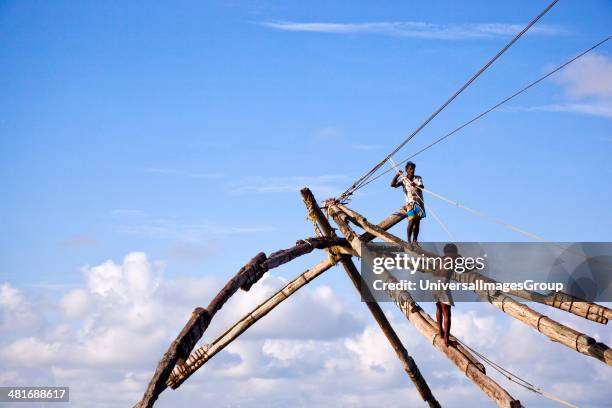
<point x="184" y="130"/>
<point x="166" y="110"/>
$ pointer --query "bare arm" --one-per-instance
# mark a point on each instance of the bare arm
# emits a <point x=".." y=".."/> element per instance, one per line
<point x="395" y="182"/>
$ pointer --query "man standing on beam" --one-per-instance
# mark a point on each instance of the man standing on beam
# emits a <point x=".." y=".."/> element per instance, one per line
<point x="415" y="206"/>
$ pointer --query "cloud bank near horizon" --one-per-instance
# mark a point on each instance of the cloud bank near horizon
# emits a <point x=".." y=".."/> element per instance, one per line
<point x="104" y="338"/>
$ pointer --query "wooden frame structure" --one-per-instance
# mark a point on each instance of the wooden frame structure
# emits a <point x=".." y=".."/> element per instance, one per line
<point x="180" y="360"/>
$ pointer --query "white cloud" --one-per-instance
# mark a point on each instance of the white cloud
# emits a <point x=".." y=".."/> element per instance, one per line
<point x="415" y="29"/>
<point x="316" y="349"/>
<point x="75" y="303"/>
<point x="326" y="184"/>
<point x="16" y="312"/>
<point x="10" y="297"/>
<point x="31" y="352"/>
<point x="589" y="77"/>
<point x="587" y="85"/>
<point x="600" y="108"/>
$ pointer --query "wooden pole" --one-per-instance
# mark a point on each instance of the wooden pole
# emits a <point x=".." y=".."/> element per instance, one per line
<point x="407" y="247"/>
<point x="191" y="333"/>
<point x="562" y="301"/>
<point x="199" y="357"/>
<point x="550" y="328"/>
<point x="571" y="304"/>
<point x="407" y="361"/>
<point x="424" y="325"/>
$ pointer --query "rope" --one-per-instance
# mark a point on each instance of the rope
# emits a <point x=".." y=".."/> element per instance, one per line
<point x="487" y="217"/>
<point x="513" y="227"/>
<point x="442" y="224"/>
<point x="515" y="378"/>
<point x="473" y="211"/>
<point x="497" y="105"/>
<point x="364" y="178"/>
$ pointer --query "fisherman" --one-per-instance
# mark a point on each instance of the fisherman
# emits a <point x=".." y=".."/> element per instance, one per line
<point x="443" y="297"/>
<point x="415" y="206"/>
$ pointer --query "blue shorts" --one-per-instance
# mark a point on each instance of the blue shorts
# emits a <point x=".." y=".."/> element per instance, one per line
<point x="414" y="210"/>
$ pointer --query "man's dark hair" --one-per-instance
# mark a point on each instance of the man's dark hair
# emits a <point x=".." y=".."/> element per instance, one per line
<point x="411" y="164"/>
<point x="451" y="249"/>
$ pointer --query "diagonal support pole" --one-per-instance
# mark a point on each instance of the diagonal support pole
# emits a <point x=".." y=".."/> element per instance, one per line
<point x="426" y="325"/>
<point x="407" y="361"/>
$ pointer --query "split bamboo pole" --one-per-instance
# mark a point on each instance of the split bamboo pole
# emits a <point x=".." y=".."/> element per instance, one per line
<point x="552" y="329"/>
<point x="407" y="361"/>
<point x="199" y="357"/>
<point x="424" y="325"/>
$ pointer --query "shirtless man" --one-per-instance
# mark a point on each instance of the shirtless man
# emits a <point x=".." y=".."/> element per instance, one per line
<point x="443" y="298"/>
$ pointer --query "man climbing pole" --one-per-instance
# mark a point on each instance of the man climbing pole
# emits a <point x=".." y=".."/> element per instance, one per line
<point x="443" y="297"/>
<point x="415" y="206"/>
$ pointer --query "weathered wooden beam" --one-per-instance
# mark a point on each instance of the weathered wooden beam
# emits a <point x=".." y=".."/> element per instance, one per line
<point x="199" y="357"/>
<point x="552" y="329"/>
<point x="425" y="325"/>
<point x="200" y="319"/>
<point x="568" y="303"/>
<point x="406" y="360"/>
<point x="562" y="301"/>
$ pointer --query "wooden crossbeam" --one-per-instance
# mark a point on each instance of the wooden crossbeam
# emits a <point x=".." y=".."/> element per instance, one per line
<point x="550" y="328"/>
<point x="568" y="303"/>
<point x="571" y="304"/>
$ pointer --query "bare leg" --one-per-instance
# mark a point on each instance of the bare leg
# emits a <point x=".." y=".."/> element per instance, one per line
<point x="447" y="322"/>
<point x="439" y="318"/>
<point x="410" y="229"/>
<point x="415" y="231"/>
